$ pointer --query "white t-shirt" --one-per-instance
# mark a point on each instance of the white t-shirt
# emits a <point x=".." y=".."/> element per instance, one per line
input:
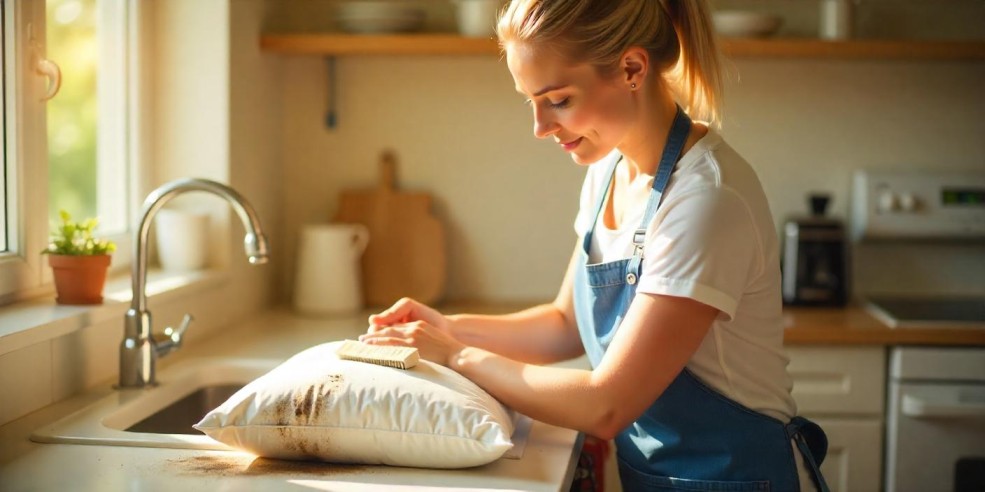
<point x="711" y="240"/>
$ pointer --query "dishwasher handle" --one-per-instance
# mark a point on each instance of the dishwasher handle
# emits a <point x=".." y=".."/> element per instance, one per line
<point x="944" y="402"/>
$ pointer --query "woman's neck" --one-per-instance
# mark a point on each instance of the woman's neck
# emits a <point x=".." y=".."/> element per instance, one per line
<point x="644" y="145"/>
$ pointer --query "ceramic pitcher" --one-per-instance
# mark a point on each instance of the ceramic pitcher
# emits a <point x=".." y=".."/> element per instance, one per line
<point x="328" y="276"/>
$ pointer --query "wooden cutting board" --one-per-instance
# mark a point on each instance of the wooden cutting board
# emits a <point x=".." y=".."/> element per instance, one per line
<point x="405" y="256"/>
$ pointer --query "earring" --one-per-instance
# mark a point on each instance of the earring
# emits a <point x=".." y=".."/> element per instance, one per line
<point x="633" y="85"/>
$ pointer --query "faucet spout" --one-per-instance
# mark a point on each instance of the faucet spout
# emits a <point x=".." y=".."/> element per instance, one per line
<point x="139" y="351"/>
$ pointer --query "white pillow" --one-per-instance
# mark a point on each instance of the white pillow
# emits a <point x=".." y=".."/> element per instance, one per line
<point x="316" y="406"/>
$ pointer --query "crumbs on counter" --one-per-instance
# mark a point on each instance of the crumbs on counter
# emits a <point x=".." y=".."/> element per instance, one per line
<point x="249" y="466"/>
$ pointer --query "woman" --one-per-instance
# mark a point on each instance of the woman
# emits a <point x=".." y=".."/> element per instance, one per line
<point x="673" y="290"/>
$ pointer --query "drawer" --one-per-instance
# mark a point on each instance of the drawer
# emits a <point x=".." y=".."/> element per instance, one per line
<point x="854" y="460"/>
<point x="838" y="380"/>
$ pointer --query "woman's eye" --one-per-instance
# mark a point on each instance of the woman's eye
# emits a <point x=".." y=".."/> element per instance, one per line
<point x="560" y="104"/>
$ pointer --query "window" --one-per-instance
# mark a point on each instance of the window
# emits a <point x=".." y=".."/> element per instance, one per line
<point x="71" y="152"/>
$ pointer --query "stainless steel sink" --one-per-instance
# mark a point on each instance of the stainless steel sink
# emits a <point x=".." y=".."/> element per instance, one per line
<point x="178" y="417"/>
<point x="160" y="416"/>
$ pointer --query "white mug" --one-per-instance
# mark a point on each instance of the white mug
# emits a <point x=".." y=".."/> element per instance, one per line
<point x="477" y="18"/>
<point x="182" y="239"/>
<point x="328" y="277"/>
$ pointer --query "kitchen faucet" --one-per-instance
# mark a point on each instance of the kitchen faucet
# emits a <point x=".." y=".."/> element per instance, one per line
<point x="139" y="350"/>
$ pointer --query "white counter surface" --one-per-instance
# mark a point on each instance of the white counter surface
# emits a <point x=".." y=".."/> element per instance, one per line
<point x="547" y="463"/>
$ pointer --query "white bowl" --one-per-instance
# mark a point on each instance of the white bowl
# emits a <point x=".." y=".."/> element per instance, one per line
<point x="369" y="17"/>
<point x="740" y="23"/>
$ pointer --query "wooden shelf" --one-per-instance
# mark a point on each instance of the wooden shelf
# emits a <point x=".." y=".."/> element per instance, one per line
<point x="452" y="44"/>
<point x="857" y="49"/>
<point x="390" y="44"/>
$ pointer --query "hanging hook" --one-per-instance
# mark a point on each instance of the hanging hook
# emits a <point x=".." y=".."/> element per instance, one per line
<point x="44" y="66"/>
<point x="331" y="118"/>
<point x="50" y="69"/>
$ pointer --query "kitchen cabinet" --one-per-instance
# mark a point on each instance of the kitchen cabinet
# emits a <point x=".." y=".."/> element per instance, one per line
<point x="843" y="390"/>
<point x="335" y="44"/>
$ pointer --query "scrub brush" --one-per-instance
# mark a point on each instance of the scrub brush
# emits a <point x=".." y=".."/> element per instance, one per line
<point x="383" y="355"/>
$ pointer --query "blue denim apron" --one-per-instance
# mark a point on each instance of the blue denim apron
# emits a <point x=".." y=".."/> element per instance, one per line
<point x="692" y="437"/>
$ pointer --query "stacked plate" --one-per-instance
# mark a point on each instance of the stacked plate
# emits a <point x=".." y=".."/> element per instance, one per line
<point x="376" y="17"/>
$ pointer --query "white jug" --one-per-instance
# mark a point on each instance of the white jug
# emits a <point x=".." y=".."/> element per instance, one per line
<point x="328" y="277"/>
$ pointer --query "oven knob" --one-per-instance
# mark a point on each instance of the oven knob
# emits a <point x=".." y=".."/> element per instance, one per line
<point x="907" y="202"/>
<point x="887" y="202"/>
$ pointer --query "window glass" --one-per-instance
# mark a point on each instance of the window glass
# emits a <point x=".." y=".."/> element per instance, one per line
<point x="71" y="33"/>
<point x="86" y="120"/>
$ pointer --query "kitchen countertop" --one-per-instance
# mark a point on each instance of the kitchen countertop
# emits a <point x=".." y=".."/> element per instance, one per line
<point x="852" y="325"/>
<point x="547" y="463"/>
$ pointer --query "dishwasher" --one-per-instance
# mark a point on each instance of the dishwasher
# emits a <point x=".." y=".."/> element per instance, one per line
<point x="935" y="422"/>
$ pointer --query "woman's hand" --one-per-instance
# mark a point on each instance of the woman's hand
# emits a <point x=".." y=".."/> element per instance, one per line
<point x="412" y="324"/>
<point x="405" y="311"/>
<point x="432" y="343"/>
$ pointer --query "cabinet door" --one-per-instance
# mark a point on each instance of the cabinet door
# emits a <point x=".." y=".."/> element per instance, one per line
<point x="854" y="460"/>
<point x="838" y="381"/>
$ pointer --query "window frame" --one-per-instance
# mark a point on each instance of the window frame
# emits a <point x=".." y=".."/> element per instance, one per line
<point x="25" y="149"/>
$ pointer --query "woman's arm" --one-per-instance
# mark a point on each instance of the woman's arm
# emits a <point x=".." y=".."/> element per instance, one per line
<point x="538" y="335"/>
<point x="654" y="342"/>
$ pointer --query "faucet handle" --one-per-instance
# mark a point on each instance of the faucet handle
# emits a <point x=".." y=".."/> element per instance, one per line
<point x="174" y="337"/>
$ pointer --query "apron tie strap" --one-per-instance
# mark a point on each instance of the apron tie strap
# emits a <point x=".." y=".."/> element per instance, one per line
<point x="813" y="445"/>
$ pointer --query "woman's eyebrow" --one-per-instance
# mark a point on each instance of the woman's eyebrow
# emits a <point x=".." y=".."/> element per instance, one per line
<point x="545" y="90"/>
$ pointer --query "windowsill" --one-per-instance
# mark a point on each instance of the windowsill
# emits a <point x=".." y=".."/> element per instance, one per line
<point x="37" y="320"/>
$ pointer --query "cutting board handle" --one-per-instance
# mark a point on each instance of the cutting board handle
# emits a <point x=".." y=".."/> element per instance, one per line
<point x="388" y="170"/>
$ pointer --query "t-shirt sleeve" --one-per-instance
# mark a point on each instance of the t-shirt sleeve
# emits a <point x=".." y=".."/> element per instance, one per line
<point x="702" y="245"/>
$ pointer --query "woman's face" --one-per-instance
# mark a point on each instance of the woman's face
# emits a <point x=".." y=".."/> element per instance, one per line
<point x="586" y="115"/>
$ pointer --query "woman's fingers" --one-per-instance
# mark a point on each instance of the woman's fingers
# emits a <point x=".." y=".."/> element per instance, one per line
<point x="400" y="312"/>
<point x="386" y="341"/>
<point x="392" y="331"/>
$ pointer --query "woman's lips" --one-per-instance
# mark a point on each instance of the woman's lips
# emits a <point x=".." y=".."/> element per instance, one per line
<point x="568" y="147"/>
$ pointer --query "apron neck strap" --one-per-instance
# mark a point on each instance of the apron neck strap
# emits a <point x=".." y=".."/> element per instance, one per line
<point x="679" y="131"/>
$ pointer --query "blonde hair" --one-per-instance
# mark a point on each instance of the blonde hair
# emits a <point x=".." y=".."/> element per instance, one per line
<point x="676" y="33"/>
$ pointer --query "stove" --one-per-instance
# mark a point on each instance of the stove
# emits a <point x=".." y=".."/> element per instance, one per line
<point x="928" y="312"/>
<point x="929" y="227"/>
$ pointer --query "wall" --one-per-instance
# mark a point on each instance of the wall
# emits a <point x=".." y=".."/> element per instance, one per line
<point x="214" y="95"/>
<point x="464" y="135"/>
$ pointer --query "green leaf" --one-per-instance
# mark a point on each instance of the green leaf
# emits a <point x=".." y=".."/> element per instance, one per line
<point x="76" y="238"/>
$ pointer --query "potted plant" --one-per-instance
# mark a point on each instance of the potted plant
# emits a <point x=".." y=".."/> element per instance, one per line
<point x="79" y="261"/>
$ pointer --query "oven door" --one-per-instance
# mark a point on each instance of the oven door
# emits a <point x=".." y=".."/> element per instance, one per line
<point x="935" y="438"/>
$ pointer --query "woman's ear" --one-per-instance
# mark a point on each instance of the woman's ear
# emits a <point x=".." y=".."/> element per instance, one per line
<point x="633" y="66"/>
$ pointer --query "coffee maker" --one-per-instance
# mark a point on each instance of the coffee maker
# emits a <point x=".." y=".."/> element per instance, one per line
<point x="815" y="269"/>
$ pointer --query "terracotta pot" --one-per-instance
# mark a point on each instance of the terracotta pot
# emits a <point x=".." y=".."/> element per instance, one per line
<point x="79" y="279"/>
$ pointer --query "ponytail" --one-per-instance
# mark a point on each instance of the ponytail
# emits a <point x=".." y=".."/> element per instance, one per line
<point x="697" y="75"/>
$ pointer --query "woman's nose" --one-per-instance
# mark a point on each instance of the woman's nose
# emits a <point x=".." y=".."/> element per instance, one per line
<point x="544" y="125"/>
